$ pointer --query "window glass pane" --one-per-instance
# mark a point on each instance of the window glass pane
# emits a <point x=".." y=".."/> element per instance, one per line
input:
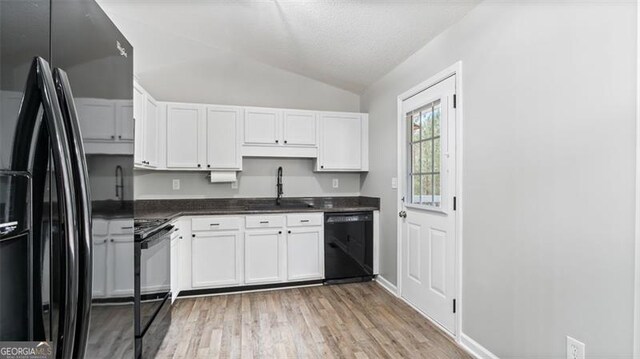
<point x="436" y="156"/>
<point x="415" y="154"/>
<point x="415" y="128"/>
<point x="427" y="156"/>
<point x="436" y="119"/>
<point x="415" y="189"/>
<point x="427" y="123"/>
<point x="437" y="199"/>
<point x="427" y="189"/>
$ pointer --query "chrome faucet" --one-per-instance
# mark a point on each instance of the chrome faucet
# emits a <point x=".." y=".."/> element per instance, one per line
<point x="279" y="186"/>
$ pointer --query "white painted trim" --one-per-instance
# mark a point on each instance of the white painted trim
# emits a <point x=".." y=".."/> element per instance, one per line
<point x="388" y="286"/>
<point x="247" y="291"/>
<point x="636" y="324"/>
<point x="475" y="349"/>
<point x="455" y="69"/>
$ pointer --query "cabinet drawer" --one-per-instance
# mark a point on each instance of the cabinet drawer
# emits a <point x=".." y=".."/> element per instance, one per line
<point x="304" y="220"/>
<point x="100" y="227"/>
<point x="216" y="223"/>
<point x="124" y="226"/>
<point x="265" y="221"/>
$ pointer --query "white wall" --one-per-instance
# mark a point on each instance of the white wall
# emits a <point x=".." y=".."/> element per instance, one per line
<point x="243" y="83"/>
<point x="258" y="179"/>
<point x="549" y="156"/>
<point x="221" y="80"/>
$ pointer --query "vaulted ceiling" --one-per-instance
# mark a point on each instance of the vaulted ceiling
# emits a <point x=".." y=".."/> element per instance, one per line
<point x="347" y="44"/>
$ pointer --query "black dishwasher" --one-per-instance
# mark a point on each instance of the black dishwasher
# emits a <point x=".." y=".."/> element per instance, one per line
<point x="348" y="247"/>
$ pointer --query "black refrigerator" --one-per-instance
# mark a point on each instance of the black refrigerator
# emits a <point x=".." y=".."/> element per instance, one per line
<point x="66" y="164"/>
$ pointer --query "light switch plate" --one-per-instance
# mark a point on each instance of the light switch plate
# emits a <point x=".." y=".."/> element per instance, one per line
<point x="336" y="183"/>
<point x="176" y="184"/>
<point x="575" y="349"/>
<point x="394" y="182"/>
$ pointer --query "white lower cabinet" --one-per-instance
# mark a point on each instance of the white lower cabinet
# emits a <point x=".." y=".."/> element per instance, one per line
<point x="305" y="253"/>
<point x="264" y="258"/>
<point x="227" y="251"/>
<point x="121" y="248"/>
<point x="99" y="266"/>
<point x="216" y="259"/>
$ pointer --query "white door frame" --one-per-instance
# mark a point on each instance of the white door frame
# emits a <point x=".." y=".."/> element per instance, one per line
<point x="455" y="69"/>
<point x="636" y="325"/>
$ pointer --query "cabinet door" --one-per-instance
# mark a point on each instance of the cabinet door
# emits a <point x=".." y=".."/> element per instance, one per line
<point x="264" y="257"/>
<point x="175" y="265"/>
<point x="151" y="131"/>
<point x="216" y="259"/>
<point x="261" y="126"/>
<point x="184" y="123"/>
<point x="299" y="128"/>
<point x="156" y="275"/>
<point x="341" y="142"/>
<point x="125" y="121"/>
<point x="99" y="266"/>
<point x="138" y="120"/>
<point x="223" y="137"/>
<point x="121" y="259"/>
<point x="305" y="254"/>
<point x="97" y="119"/>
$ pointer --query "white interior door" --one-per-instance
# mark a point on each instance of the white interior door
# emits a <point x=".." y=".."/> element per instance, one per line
<point x="428" y="214"/>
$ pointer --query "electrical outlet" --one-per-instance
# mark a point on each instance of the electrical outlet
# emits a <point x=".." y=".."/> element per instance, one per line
<point x="394" y="182"/>
<point x="176" y="184"/>
<point x="336" y="183"/>
<point x="234" y="185"/>
<point x="575" y="349"/>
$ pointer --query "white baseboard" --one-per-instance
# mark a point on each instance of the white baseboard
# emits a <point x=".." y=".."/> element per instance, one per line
<point x="475" y="349"/>
<point x="387" y="285"/>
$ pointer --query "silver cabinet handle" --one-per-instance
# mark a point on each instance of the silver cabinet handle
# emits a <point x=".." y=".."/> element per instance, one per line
<point x="130" y="227"/>
<point x="83" y="198"/>
<point x="264" y="222"/>
<point x="304" y="220"/>
<point x="214" y="224"/>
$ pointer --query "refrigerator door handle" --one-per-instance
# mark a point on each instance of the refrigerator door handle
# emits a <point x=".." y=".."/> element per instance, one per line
<point x="40" y="75"/>
<point x="83" y="208"/>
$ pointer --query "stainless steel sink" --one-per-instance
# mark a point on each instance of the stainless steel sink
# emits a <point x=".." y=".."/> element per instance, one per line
<point x="283" y="205"/>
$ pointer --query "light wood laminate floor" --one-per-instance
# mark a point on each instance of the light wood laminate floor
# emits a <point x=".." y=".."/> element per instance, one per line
<point x="359" y="320"/>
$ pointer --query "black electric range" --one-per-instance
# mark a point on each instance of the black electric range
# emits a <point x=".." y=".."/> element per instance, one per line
<point x="152" y="284"/>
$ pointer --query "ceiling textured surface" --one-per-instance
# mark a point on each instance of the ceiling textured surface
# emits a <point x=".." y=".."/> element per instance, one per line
<point x="347" y="44"/>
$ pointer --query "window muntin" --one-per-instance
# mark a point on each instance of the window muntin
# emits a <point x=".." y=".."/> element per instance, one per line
<point x="424" y="146"/>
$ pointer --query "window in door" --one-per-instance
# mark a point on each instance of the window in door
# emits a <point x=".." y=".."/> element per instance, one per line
<point x="425" y="167"/>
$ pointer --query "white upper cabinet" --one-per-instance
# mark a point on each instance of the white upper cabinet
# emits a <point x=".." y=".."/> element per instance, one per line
<point x="97" y="119"/>
<point x="185" y="136"/>
<point x="262" y="126"/>
<point x="151" y="132"/>
<point x="299" y="128"/>
<point x="138" y="119"/>
<point x="125" y="124"/>
<point x="106" y="125"/>
<point x="146" y="114"/>
<point x="224" y="127"/>
<point x="343" y="142"/>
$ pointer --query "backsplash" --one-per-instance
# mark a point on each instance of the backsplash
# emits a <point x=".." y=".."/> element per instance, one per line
<point x="257" y="179"/>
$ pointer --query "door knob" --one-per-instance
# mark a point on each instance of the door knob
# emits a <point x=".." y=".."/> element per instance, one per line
<point x="402" y="214"/>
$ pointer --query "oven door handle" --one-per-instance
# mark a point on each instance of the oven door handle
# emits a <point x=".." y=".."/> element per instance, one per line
<point x="156" y="238"/>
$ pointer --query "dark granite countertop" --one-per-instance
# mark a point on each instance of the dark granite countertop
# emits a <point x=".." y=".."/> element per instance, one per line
<point x="110" y="209"/>
<point x="154" y="209"/>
